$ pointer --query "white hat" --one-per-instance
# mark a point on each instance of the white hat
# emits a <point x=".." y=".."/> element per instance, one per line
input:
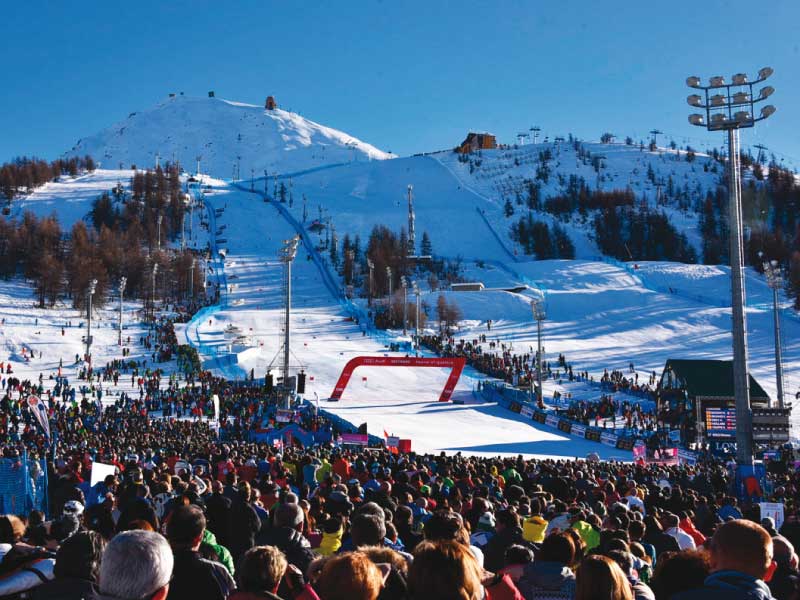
<point x="73" y="507"/>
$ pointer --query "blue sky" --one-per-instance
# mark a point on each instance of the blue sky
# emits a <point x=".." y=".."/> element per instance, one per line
<point x="406" y="76"/>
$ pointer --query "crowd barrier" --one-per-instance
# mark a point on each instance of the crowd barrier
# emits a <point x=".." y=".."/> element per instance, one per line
<point x="23" y="486"/>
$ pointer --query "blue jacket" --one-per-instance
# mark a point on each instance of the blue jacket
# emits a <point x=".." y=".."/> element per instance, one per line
<point x="728" y="585"/>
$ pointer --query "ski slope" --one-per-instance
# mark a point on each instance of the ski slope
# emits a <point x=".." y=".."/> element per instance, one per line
<point x="181" y="128"/>
<point x="398" y="400"/>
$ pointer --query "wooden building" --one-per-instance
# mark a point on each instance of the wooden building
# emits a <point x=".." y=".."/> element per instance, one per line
<point x="477" y="141"/>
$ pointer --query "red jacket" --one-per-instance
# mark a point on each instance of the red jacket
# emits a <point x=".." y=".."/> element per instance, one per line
<point x="688" y="526"/>
<point x="502" y="588"/>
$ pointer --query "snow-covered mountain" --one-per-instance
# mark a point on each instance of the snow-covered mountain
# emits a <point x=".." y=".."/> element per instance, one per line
<point x="182" y="128"/>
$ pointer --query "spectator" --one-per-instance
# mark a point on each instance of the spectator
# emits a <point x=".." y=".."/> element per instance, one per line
<point x="76" y="569"/>
<point x="550" y="575"/>
<point x="136" y="565"/>
<point x="444" y="570"/>
<point x="286" y="535"/>
<point x="784" y="582"/>
<point x="261" y="572"/>
<point x="678" y="572"/>
<point x="641" y="591"/>
<point x="685" y="541"/>
<point x="194" y="576"/>
<point x="741" y="558"/>
<point x="508" y="534"/>
<point x="599" y="577"/>
<point x="245" y="523"/>
<point x="349" y="576"/>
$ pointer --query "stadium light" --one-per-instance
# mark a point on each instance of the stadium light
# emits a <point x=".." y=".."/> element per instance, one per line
<point x="122" y="283"/>
<point x="90" y="293"/>
<point x="772" y="271"/>
<point x="537" y="308"/>
<point x="730" y="108"/>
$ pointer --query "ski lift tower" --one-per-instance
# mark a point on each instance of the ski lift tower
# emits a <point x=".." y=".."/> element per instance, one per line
<point x="286" y="255"/>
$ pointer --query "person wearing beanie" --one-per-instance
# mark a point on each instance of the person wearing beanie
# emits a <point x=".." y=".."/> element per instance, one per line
<point x="484" y="531"/>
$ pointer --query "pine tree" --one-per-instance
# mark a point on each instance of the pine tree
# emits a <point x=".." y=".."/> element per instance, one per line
<point x="508" y="208"/>
<point x="426" y="248"/>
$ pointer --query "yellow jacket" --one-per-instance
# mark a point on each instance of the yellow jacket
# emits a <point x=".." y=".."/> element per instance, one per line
<point x="331" y="542"/>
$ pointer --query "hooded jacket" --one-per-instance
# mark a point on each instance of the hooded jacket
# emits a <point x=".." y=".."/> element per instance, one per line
<point x="728" y="585"/>
<point x="291" y="542"/>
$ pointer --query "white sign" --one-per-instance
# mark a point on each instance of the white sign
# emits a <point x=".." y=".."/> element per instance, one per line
<point x="526" y="411"/>
<point x="774" y="510"/>
<point x="100" y="471"/>
<point x="579" y="430"/>
<point x="392" y="441"/>
<point x="551" y="421"/>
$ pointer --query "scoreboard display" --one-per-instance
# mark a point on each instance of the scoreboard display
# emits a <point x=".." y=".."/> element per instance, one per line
<point x="720" y="421"/>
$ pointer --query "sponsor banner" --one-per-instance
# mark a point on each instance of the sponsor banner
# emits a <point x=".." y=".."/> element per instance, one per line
<point x="551" y="421"/>
<point x="593" y="434"/>
<point x="686" y="457"/>
<point x="675" y="435"/>
<point x="514" y="407"/>
<point x="355" y="439"/>
<point x="579" y="430"/>
<point x="625" y="443"/>
<point x="609" y="439"/>
<point x="773" y="510"/>
<point x="526" y="411"/>
<point x="565" y="426"/>
<point x="392" y="441"/>
<point x="284" y="415"/>
<point x="540" y="416"/>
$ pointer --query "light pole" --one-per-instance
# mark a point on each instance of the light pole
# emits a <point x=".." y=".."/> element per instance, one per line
<point x="191" y="280"/>
<point x="160" y="217"/>
<point x="404" y="284"/>
<point x="537" y="308"/>
<point x="286" y="255"/>
<point x="775" y="281"/>
<point x="153" y="296"/>
<point x="92" y="289"/>
<point x="730" y="107"/>
<point x="122" y="283"/>
<point x="389" y="280"/>
<point x="416" y="323"/>
<point x="371" y="266"/>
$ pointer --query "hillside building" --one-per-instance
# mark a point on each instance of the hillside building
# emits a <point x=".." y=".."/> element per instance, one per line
<point x="477" y="141"/>
<point x="697" y="398"/>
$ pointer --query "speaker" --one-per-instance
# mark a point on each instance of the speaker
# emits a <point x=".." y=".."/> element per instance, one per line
<point x="301" y="383"/>
<point x="362" y="429"/>
<point x="270" y="383"/>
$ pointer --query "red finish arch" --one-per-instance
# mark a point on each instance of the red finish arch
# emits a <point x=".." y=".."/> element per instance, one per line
<point x="456" y="364"/>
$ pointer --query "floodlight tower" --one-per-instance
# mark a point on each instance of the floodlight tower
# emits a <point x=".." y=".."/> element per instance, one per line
<point x="730" y="107"/>
<point x="286" y="255"/>
<point x="389" y="280"/>
<point x="775" y="281"/>
<point x="122" y="282"/>
<point x="535" y="132"/>
<point x="90" y="294"/>
<point x="539" y="315"/>
<point x="160" y="218"/>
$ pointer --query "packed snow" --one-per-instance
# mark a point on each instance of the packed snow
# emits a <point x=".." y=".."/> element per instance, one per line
<point x="181" y="128"/>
